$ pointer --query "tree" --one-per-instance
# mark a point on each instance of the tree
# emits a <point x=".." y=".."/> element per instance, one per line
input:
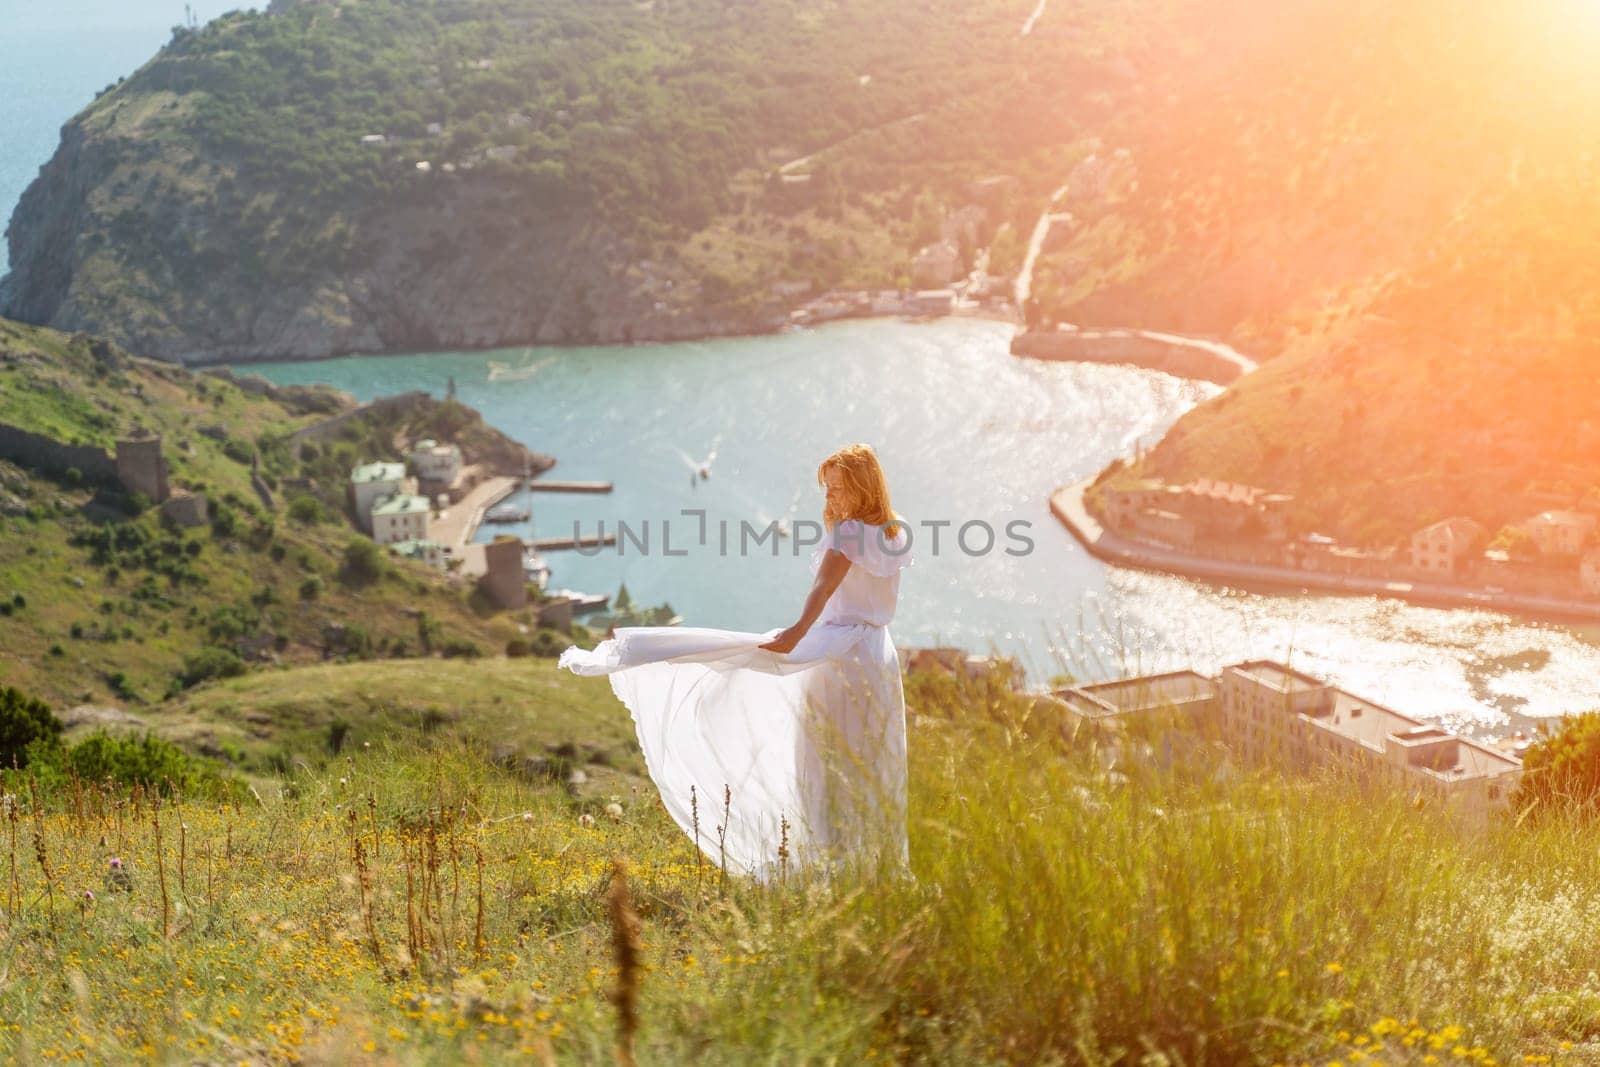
<point x="1516" y="542"/>
<point x="24" y="720"/>
<point x="363" y="562"/>
<point x="1561" y="771"/>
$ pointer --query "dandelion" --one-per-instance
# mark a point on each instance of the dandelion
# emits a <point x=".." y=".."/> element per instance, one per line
<point x="527" y="816"/>
<point x="586" y="820"/>
<point x="614" y="811"/>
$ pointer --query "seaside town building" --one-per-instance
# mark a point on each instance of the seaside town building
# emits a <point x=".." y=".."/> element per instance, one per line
<point x="1444" y="547"/>
<point x="1560" y="533"/>
<point x="1276" y="713"/>
<point x="1180" y="515"/>
<point x="1120" y="704"/>
<point x="372" y="482"/>
<point x="937" y="265"/>
<point x="1589" y="572"/>
<point x="400" y="517"/>
<point x="931" y="302"/>
<point x="1271" y="713"/>
<point x="435" y="463"/>
<point x="504" y="580"/>
<point x="431" y="553"/>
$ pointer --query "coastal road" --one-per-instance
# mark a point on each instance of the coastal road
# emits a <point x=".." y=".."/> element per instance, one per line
<point x="1067" y="505"/>
<point x="800" y="161"/>
<point x="1041" y="230"/>
<point x="454" y="529"/>
<point x="1027" y="27"/>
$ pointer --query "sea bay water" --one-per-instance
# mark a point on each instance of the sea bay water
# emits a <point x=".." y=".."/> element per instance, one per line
<point x="967" y="433"/>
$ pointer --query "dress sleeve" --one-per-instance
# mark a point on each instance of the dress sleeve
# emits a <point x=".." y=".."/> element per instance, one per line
<point x="868" y="547"/>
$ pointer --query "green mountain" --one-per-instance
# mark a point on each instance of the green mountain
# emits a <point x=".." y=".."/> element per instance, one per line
<point x="1394" y="204"/>
<point x="377" y="175"/>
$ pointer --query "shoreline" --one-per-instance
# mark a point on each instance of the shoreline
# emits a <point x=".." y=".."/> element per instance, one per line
<point x="744" y="330"/>
<point x="1066" y="504"/>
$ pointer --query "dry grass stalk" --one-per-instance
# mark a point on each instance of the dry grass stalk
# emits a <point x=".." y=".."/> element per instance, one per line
<point x="627" y="946"/>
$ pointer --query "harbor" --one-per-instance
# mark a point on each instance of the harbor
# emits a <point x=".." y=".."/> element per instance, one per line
<point x="994" y="436"/>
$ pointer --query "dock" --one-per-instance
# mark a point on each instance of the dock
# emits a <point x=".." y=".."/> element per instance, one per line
<point x="542" y="485"/>
<point x="553" y="544"/>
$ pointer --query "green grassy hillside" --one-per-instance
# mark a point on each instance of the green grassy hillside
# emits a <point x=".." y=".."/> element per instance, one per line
<point x="102" y="606"/>
<point x="1468" y="388"/>
<point x="411" y="904"/>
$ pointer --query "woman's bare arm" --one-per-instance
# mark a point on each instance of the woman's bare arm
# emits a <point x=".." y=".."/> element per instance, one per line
<point x="835" y="565"/>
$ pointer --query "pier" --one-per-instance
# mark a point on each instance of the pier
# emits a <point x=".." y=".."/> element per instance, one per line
<point x="553" y="544"/>
<point x="542" y="485"/>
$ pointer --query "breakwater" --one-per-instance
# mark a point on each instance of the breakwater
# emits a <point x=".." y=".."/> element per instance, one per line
<point x="1182" y="357"/>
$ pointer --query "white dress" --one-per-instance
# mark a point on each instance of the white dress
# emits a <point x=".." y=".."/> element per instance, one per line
<point x="756" y="751"/>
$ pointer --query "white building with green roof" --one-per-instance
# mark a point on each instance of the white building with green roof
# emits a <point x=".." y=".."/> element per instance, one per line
<point x="401" y="517"/>
<point x="430" y="552"/>
<point x="371" y="482"/>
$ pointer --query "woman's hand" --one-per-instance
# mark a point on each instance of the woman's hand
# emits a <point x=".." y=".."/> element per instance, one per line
<point x="785" y="641"/>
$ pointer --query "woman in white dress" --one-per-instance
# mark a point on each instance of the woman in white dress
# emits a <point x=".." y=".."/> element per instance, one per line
<point x="785" y="750"/>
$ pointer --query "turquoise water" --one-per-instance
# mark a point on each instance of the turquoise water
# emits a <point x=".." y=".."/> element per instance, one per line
<point x="966" y="433"/>
<point x="54" y="57"/>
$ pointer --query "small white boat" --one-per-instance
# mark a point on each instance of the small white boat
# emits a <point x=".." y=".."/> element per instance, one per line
<point x="535" y="569"/>
<point x="507" y="513"/>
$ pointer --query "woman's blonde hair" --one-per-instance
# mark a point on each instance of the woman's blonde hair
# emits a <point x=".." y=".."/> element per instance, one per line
<point x="863" y="477"/>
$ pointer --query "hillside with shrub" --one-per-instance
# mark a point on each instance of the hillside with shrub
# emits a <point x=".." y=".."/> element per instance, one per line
<point x="1392" y="205"/>
<point x="375" y="175"/>
<point x="108" y="606"/>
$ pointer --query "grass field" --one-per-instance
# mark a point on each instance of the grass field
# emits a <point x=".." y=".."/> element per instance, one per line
<point x="410" y="903"/>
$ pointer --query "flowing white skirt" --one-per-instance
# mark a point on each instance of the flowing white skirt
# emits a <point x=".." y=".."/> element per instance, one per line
<point x="770" y="762"/>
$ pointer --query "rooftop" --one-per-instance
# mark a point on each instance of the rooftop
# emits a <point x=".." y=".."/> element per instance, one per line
<point x="1284" y="679"/>
<point x="1153" y="691"/>
<point x="378" y="472"/>
<point x="1365" y="721"/>
<point x="401" y="504"/>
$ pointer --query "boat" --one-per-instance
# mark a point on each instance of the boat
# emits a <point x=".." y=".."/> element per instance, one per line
<point x="505" y="372"/>
<point x="582" y="603"/>
<point x="508" y="513"/>
<point x="535" y="569"/>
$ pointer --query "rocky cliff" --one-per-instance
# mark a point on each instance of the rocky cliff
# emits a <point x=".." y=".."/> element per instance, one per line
<point x="365" y="175"/>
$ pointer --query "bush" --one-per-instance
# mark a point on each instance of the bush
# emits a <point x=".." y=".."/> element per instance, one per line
<point x="363" y="562"/>
<point x="306" y="510"/>
<point x="148" y="761"/>
<point x="210" y="663"/>
<point x="550" y="643"/>
<point x="460" y="648"/>
<point x="1561" y="771"/>
<point x="23" y="721"/>
<point x="238" y="451"/>
<point x="224" y="521"/>
<point x="135" y="503"/>
<point x="518" y="647"/>
<point x="311" y="588"/>
<point x="122" y="686"/>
